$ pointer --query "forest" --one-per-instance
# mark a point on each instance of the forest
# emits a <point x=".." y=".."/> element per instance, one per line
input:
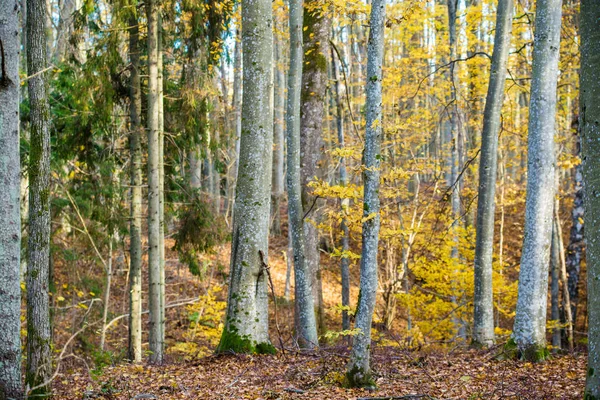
<point x="299" y="199"/>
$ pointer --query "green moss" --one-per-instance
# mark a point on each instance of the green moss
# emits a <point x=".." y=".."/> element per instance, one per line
<point x="533" y="353"/>
<point x="358" y="378"/>
<point x="589" y="396"/>
<point x="232" y="342"/>
<point x="265" y="348"/>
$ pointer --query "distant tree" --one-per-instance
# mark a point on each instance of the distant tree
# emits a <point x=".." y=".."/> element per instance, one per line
<point x="590" y="149"/>
<point x="359" y="369"/>
<point x="246" y="322"/>
<point x="529" y="332"/>
<point x="10" y="211"/>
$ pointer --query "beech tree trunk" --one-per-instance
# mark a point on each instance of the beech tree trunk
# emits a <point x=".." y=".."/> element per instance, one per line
<point x="345" y="203"/>
<point x="483" y="302"/>
<point x="576" y="241"/>
<point x="10" y="211"/>
<point x="590" y="151"/>
<point x="156" y="338"/>
<point x="312" y="111"/>
<point x="359" y="370"/>
<point x="305" y="322"/>
<point x="278" y="140"/>
<point x="161" y="176"/>
<point x="135" y="225"/>
<point x="529" y="330"/>
<point x="246" y="323"/>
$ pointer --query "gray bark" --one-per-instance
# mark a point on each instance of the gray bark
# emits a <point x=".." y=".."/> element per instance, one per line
<point x="39" y="361"/>
<point x="554" y="287"/>
<point x="576" y="242"/>
<point x="359" y="370"/>
<point x="312" y="112"/>
<point x="305" y="322"/>
<point x="529" y="330"/>
<point x="10" y="215"/>
<point x="278" y="140"/>
<point x="156" y="338"/>
<point x="246" y="323"/>
<point x="345" y="203"/>
<point x="135" y="225"/>
<point x="590" y="150"/>
<point x="483" y="321"/>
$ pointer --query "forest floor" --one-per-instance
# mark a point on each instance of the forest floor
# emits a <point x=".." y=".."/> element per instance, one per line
<point x="430" y="371"/>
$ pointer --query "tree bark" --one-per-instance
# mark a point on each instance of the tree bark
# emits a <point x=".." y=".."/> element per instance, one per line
<point x="246" y="323"/>
<point x="576" y="241"/>
<point x="529" y="330"/>
<point x="161" y="175"/>
<point x="39" y="361"/>
<point x="135" y="225"/>
<point x="305" y="322"/>
<point x="359" y="370"/>
<point x="590" y="150"/>
<point x="156" y="338"/>
<point x="10" y="211"/>
<point x="555" y="286"/>
<point x="312" y="111"/>
<point x="345" y="203"/>
<point x="278" y="140"/>
<point x="483" y="302"/>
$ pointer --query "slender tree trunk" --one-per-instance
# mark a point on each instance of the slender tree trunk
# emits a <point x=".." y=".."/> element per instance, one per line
<point x="305" y="322"/>
<point x="106" y="298"/>
<point x="135" y="227"/>
<point x="156" y="338"/>
<point x="483" y="321"/>
<point x="563" y="275"/>
<point x="555" y="287"/>
<point x="312" y="112"/>
<point x="590" y="151"/>
<point x="278" y="141"/>
<point x="161" y="176"/>
<point x="237" y="112"/>
<point x="10" y="211"/>
<point x="576" y="242"/>
<point x="39" y="361"/>
<point x="359" y="370"/>
<point x="529" y="330"/>
<point x="345" y="203"/>
<point x="246" y="323"/>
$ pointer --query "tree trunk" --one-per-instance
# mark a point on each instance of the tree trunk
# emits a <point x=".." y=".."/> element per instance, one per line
<point x="305" y="322"/>
<point x="39" y="361"/>
<point x="278" y="140"/>
<point x="590" y="149"/>
<point x="246" y="324"/>
<point x="529" y="330"/>
<point x="483" y="321"/>
<point x="555" y="287"/>
<point x="576" y="242"/>
<point x="161" y="176"/>
<point x="10" y="215"/>
<point x="345" y="203"/>
<point x="135" y="227"/>
<point x="156" y="338"/>
<point x="359" y="370"/>
<point x="312" y="111"/>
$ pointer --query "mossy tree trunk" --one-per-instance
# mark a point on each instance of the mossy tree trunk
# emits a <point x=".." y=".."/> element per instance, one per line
<point x="246" y="323"/>
<point x="10" y="211"/>
<point x="359" y="369"/>
<point x="529" y="332"/>
<point x="590" y="150"/>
